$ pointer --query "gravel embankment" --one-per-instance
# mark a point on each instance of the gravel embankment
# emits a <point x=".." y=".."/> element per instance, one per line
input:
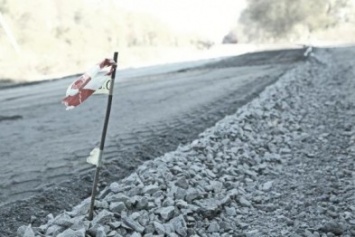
<point x="283" y="165"/>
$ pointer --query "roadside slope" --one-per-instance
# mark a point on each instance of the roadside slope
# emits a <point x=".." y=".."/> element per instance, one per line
<point x="165" y="110"/>
<point x="282" y="165"/>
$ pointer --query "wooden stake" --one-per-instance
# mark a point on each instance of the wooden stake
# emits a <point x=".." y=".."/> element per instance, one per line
<point x="103" y="138"/>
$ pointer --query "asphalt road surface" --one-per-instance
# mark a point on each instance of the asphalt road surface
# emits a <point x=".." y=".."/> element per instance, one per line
<point x="43" y="147"/>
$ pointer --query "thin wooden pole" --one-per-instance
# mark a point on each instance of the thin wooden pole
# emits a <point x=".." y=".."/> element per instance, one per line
<point x="103" y="138"/>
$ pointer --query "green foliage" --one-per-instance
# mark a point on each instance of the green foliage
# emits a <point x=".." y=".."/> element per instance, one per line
<point x="278" y="18"/>
<point x="3" y="6"/>
<point x="51" y="33"/>
<point x="90" y="23"/>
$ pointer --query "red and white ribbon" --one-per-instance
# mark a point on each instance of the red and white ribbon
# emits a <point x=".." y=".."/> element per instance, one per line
<point x="88" y="83"/>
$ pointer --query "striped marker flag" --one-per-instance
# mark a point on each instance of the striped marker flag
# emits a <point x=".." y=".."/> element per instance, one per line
<point x="95" y="79"/>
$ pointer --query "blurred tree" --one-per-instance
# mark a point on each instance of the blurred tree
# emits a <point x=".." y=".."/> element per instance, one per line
<point x="278" y="18"/>
<point x="52" y="32"/>
<point x="230" y="38"/>
<point x="4" y="6"/>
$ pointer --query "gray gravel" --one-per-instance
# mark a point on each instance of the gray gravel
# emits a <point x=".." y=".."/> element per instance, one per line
<point x="283" y="165"/>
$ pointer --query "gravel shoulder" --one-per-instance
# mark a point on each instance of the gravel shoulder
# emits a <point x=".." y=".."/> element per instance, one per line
<point x="167" y="125"/>
<point x="282" y="165"/>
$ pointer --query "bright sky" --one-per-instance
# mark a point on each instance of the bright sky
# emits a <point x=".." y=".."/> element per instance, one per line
<point x="209" y="18"/>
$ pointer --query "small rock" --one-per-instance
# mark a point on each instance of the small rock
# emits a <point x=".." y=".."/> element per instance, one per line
<point x="352" y="231"/>
<point x="117" y="207"/>
<point x="101" y="204"/>
<point x="252" y="233"/>
<point x="134" y="225"/>
<point x="142" y="203"/>
<point x="50" y="216"/>
<point x="130" y="203"/>
<point x="213" y="227"/>
<point x="149" y="235"/>
<point x="103" y="193"/>
<point x="118" y="198"/>
<point x="112" y="234"/>
<point x="182" y="183"/>
<point x="316" y="234"/>
<point x="168" y="202"/>
<point x="252" y="174"/>
<point x="230" y="211"/>
<point x="332" y="227"/>
<point x="78" y="223"/>
<point x="208" y="208"/>
<point x="114" y="225"/>
<point x="332" y="213"/>
<point x="151" y="205"/>
<point x="179" y="225"/>
<point x="25" y="231"/>
<point x="136" y="234"/>
<point x="226" y="226"/>
<point x="33" y="219"/>
<point x="21" y="230"/>
<point x="100" y="232"/>
<point x="347" y="215"/>
<point x="166" y="212"/>
<point x="134" y="191"/>
<point x="63" y="220"/>
<point x="121" y="232"/>
<point x="115" y="187"/>
<point x="180" y="193"/>
<point x="192" y="194"/>
<point x="285" y="232"/>
<point x="54" y="230"/>
<point x="244" y="202"/>
<point x="242" y="225"/>
<point x="102" y="218"/>
<point x="173" y="235"/>
<point x="135" y="215"/>
<point x="150" y="189"/>
<point x="210" y="173"/>
<point x="143" y="218"/>
<point x="80" y="233"/>
<point x="169" y="228"/>
<point x="160" y="229"/>
<point x="67" y="233"/>
<point x="258" y="199"/>
<point x="307" y="233"/>
<point x="181" y="204"/>
<point x="267" y="186"/>
<point x="149" y="229"/>
<point x="80" y="209"/>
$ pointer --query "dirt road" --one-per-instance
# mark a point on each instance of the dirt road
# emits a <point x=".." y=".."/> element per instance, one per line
<point x="43" y="148"/>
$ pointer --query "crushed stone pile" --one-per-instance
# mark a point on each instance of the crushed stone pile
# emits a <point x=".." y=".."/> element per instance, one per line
<point x="282" y="165"/>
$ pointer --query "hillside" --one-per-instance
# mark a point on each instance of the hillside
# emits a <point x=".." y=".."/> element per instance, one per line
<point x="46" y="38"/>
<point x="299" y="20"/>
